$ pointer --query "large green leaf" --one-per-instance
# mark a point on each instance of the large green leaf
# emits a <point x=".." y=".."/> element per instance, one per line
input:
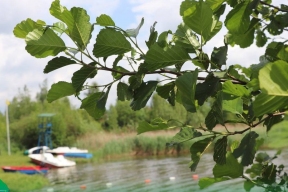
<point x="187" y="7"/>
<point x="200" y="19"/>
<point x="143" y="94"/>
<point x="246" y="148"/>
<point x="157" y="57"/>
<point x="197" y="149"/>
<point x="80" y="31"/>
<point x="232" y="104"/>
<point x="246" y="39"/>
<point x="57" y="63"/>
<point x="264" y="104"/>
<point x="231" y="169"/>
<point x="123" y="92"/>
<point x="234" y="89"/>
<point x="22" y="29"/>
<point x="105" y="20"/>
<point x="101" y="102"/>
<point x="79" y="28"/>
<point x="273" y="78"/>
<point x="238" y="19"/>
<point x="207" y="181"/>
<point x="59" y="90"/>
<point x="156" y="124"/>
<point x="110" y="42"/>
<point x="185" y="134"/>
<point x="80" y="76"/>
<point x="186" y="86"/>
<point x="215" y="28"/>
<point x="220" y="150"/>
<point x="41" y="44"/>
<point x="90" y="105"/>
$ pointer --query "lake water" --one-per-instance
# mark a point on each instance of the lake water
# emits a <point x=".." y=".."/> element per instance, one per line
<point x="150" y="174"/>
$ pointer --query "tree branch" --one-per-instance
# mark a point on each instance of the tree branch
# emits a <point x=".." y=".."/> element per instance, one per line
<point x="273" y="6"/>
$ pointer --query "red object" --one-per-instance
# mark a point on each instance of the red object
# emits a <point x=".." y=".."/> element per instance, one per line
<point x="25" y="169"/>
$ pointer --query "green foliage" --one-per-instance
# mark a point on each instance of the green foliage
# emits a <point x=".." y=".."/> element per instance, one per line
<point x="210" y="93"/>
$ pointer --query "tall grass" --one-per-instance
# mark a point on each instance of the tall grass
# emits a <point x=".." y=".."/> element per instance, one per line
<point x="122" y="145"/>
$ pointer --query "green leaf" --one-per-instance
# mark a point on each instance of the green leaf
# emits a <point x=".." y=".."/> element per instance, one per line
<point x="123" y="92"/>
<point x="239" y="72"/>
<point x="215" y="28"/>
<point x="187" y="7"/>
<point x="110" y="42"/>
<point x="245" y="39"/>
<point x="219" y="57"/>
<point x="158" y="124"/>
<point x="143" y="94"/>
<point x="101" y="102"/>
<point x="57" y="63"/>
<point x="135" y="81"/>
<point x="265" y="104"/>
<point x="234" y="89"/>
<point x="162" y="40"/>
<point x="211" y="120"/>
<point x="273" y="78"/>
<point x="246" y="148"/>
<point x="238" y="19"/>
<point x="185" y="134"/>
<point x="197" y="149"/>
<point x="90" y="105"/>
<point x="59" y="27"/>
<point x="153" y="36"/>
<point x="79" y="28"/>
<point x="185" y="37"/>
<point x="59" y="90"/>
<point x="269" y="174"/>
<point x="157" y="57"/>
<point x="165" y="90"/>
<point x="220" y="150"/>
<point x="231" y="169"/>
<point x="261" y="39"/>
<point x="199" y="19"/>
<point x="215" y="4"/>
<point x="207" y="181"/>
<point x="186" y="86"/>
<point x="40" y="44"/>
<point x="248" y="185"/>
<point x="270" y="121"/>
<point x="22" y="29"/>
<point x="105" y="20"/>
<point x="206" y="89"/>
<point x="135" y="32"/>
<point x="80" y="76"/>
<point x="232" y="104"/>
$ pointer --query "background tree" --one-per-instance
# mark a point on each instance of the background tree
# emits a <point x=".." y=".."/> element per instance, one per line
<point x="249" y="96"/>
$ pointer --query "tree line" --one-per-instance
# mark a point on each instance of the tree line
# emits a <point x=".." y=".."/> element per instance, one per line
<point x="70" y="123"/>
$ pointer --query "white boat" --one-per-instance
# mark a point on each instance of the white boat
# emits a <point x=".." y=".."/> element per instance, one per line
<point x="36" y="150"/>
<point x="66" y="150"/>
<point x="48" y="160"/>
<point x="70" y="152"/>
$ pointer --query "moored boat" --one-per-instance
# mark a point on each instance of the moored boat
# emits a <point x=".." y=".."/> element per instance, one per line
<point x="48" y="160"/>
<point x="70" y="152"/>
<point x="26" y="169"/>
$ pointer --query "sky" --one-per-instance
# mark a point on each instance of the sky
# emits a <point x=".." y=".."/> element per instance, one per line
<point x="18" y="68"/>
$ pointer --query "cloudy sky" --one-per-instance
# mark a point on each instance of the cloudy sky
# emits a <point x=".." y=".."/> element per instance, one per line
<point x="18" y="68"/>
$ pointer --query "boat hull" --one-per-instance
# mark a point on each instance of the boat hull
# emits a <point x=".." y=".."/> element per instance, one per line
<point x="30" y="170"/>
<point x="48" y="160"/>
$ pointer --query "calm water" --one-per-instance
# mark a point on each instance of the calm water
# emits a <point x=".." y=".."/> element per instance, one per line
<point x="168" y="174"/>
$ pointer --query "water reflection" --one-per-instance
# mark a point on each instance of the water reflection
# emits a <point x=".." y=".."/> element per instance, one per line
<point x="142" y="175"/>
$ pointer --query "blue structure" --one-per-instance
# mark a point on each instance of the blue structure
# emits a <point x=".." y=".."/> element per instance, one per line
<point x="45" y="129"/>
